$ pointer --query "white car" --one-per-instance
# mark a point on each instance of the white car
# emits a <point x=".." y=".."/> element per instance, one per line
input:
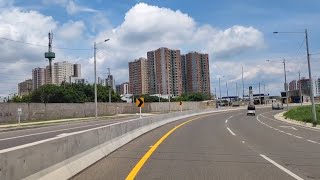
<point x="277" y="105"/>
<point x="251" y="110"/>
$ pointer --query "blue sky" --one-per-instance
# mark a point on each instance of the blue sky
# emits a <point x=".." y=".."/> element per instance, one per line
<point x="233" y="33"/>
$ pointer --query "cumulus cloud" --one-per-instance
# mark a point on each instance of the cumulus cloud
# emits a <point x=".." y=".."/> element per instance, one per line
<point x="144" y="28"/>
<point x="72" y="30"/>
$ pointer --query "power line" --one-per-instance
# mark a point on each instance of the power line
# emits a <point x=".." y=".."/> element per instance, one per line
<point x="64" y="48"/>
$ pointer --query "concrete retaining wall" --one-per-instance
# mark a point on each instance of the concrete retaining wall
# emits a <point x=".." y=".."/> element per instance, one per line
<point x="39" y="111"/>
<point x="63" y="157"/>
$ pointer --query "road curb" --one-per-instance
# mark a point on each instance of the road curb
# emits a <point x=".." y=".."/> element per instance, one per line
<point x="281" y="117"/>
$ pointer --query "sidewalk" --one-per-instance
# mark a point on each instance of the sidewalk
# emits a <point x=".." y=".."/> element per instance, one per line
<point x="280" y="117"/>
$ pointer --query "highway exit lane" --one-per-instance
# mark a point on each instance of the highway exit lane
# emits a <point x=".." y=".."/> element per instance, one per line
<point x="206" y="149"/>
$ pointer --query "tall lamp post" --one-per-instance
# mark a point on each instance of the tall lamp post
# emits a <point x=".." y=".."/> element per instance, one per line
<point x="285" y="81"/>
<point x="95" y="76"/>
<point x="310" y="76"/>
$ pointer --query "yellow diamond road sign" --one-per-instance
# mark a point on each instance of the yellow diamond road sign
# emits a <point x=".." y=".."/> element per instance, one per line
<point x="140" y="102"/>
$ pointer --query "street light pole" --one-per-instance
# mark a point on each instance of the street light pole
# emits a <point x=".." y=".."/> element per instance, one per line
<point x="285" y="82"/>
<point x="227" y="91"/>
<point x="109" y="84"/>
<point x="95" y="76"/>
<point x="311" y="84"/>
<point x="95" y="81"/>
<point x="300" y="92"/>
<point x="219" y="89"/>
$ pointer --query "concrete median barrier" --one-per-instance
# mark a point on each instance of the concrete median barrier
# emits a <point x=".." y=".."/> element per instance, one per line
<point x="64" y="156"/>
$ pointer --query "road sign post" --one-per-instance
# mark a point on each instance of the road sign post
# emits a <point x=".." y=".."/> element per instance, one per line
<point x="250" y="96"/>
<point x="19" y="115"/>
<point x="140" y="104"/>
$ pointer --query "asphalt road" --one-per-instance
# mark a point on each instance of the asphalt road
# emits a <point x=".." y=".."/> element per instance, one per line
<point x="219" y="146"/>
<point x="24" y="136"/>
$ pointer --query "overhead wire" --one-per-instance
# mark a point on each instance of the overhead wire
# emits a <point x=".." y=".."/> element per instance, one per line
<point x="39" y="45"/>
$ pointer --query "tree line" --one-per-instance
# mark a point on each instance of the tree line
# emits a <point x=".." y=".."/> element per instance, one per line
<point x="68" y="93"/>
<point x="80" y="93"/>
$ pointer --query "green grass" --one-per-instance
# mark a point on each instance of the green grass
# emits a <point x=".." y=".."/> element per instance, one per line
<point x="303" y="113"/>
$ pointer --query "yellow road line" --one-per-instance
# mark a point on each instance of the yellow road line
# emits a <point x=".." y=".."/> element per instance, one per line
<point x="143" y="160"/>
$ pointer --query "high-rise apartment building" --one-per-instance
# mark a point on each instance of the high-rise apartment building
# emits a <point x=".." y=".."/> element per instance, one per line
<point x="49" y="80"/>
<point x="62" y="72"/>
<point x="195" y="73"/>
<point x="25" y="87"/>
<point x="110" y="82"/>
<point x="305" y="85"/>
<point x="138" y="77"/>
<point x="317" y="85"/>
<point x="293" y="85"/>
<point x="164" y="71"/>
<point x="77" y="70"/>
<point x="124" y="88"/>
<point x="38" y="77"/>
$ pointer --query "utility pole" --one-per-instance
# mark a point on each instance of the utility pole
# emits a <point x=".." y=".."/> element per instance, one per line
<point x="236" y="89"/>
<point x="109" y="84"/>
<point x="311" y="84"/>
<point x="159" y="92"/>
<point x="285" y="83"/>
<point x="300" y="92"/>
<point x="242" y="86"/>
<point x="168" y="88"/>
<point x="219" y="89"/>
<point x="259" y="94"/>
<point x="227" y="91"/>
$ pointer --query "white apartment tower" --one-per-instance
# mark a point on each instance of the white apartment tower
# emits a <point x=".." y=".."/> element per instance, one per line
<point x="64" y="71"/>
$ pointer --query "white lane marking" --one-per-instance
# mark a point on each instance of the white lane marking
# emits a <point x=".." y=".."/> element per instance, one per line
<point x="296" y="125"/>
<point x="312" y="141"/>
<point x="285" y="132"/>
<point x="281" y="167"/>
<point x="226" y="121"/>
<point x="289" y="127"/>
<point x="231" y="131"/>
<point x="78" y="127"/>
<point x="63" y="134"/>
<point x="297" y="136"/>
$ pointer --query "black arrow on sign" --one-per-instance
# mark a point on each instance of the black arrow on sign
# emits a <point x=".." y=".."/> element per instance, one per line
<point x="141" y="102"/>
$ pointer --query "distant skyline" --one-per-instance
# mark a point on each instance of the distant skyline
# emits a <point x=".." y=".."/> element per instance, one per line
<point x="233" y="33"/>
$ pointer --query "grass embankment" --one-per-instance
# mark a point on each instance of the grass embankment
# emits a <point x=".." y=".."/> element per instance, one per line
<point x="303" y="113"/>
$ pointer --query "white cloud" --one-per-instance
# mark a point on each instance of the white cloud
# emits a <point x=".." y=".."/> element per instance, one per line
<point x="73" y="8"/>
<point x="147" y="27"/>
<point x="144" y="28"/>
<point x="72" y="30"/>
<point x="70" y="6"/>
